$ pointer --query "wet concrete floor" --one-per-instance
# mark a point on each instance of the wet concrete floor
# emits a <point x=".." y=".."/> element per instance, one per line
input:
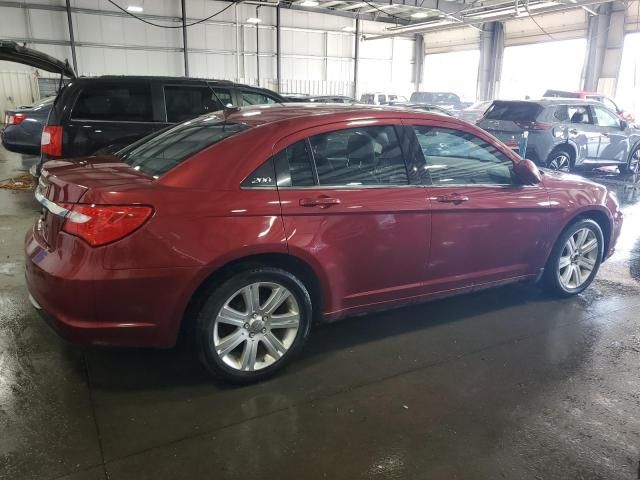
<point x="507" y="383"/>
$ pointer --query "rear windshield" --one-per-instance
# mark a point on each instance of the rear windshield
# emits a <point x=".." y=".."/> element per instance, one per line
<point x="513" y="111"/>
<point x="160" y="153"/>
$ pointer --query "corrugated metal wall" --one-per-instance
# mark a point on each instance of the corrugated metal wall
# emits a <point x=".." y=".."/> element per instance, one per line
<point x="17" y="88"/>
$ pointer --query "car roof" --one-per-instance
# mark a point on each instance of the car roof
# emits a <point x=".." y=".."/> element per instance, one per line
<point x="323" y="113"/>
<point x="134" y="78"/>
<point x="551" y="101"/>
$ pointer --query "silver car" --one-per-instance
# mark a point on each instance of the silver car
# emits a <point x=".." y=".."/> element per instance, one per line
<point x="565" y="134"/>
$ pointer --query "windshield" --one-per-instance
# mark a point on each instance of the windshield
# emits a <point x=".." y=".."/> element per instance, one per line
<point x="435" y="97"/>
<point x="160" y="153"/>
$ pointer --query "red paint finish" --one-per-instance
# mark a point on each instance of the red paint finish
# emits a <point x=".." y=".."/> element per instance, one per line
<point x="369" y="247"/>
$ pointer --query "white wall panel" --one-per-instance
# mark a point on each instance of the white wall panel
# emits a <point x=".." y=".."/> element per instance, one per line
<point x="561" y="26"/>
<point x="13" y="23"/>
<point x="210" y="65"/>
<point x="452" y="40"/>
<point x="16" y="88"/>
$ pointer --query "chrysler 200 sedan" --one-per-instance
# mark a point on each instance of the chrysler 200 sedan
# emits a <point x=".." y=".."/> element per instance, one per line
<point x="243" y="227"/>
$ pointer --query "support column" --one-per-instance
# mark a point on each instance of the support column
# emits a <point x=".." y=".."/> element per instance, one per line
<point x="356" y="58"/>
<point x="184" y="38"/>
<point x="418" y="63"/>
<point x="278" y="51"/>
<point x="490" y="67"/>
<point x="605" y="39"/>
<point x="72" y="41"/>
<point x="257" y="47"/>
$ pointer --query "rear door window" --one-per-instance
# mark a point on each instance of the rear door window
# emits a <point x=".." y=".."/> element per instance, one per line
<point x="165" y="151"/>
<point x="184" y="102"/>
<point x="114" y="103"/>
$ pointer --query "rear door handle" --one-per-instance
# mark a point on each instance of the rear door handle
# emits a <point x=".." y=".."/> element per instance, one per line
<point x="322" y="201"/>
<point x="453" y="198"/>
<point x="573" y="131"/>
<point x="605" y="134"/>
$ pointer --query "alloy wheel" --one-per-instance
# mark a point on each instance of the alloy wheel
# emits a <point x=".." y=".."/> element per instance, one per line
<point x="560" y="162"/>
<point x="256" y="326"/>
<point x="578" y="258"/>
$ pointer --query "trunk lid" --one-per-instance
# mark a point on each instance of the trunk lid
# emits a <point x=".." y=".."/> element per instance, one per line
<point x="64" y="183"/>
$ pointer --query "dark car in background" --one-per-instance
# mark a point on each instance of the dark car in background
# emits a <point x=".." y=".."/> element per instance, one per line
<point x="107" y="113"/>
<point x="23" y="127"/>
<point x="564" y="134"/>
<point x="424" y="107"/>
<point x="446" y="100"/>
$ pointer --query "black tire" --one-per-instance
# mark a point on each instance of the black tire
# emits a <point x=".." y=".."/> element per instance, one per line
<point x="554" y="161"/>
<point x="551" y="279"/>
<point x="633" y="165"/>
<point x="216" y="299"/>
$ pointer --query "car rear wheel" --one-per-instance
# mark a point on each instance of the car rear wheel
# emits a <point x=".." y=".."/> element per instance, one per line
<point x="633" y="166"/>
<point x="575" y="258"/>
<point x="253" y="324"/>
<point x="560" y="159"/>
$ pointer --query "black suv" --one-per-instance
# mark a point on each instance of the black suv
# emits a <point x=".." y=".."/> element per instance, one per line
<point x="105" y="114"/>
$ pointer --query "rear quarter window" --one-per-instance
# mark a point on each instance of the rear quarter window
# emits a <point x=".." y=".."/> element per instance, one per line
<point x="114" y="103"/>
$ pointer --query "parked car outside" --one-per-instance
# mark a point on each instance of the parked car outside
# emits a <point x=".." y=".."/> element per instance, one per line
<point x="106" y="113"/>
<point x="474" y="112"/>
<point x="598" y="97"/>
<point x="23" y="127"/>
<point x="446" y="100"/>
<point x="301" y="97"/>
<point x="565" y="134"/>
<point x="380" y="98"/>
<point x="244" y="227"/>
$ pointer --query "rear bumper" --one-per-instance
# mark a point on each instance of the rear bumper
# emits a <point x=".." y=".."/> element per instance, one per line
<point x="89" y="305"/>
<point x="19" y="142"/>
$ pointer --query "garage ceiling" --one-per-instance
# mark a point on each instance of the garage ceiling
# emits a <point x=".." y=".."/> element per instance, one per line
<point x="418" y="16"/>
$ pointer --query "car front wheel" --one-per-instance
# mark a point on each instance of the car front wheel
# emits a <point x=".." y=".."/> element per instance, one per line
<point x="633" y="166"/>
<point x="253" y="324"/>
<point x="559" y="159"/>
<point x="575" y="258"/>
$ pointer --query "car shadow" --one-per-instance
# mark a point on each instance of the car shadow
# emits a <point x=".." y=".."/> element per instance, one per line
<point x="119" y="369"/>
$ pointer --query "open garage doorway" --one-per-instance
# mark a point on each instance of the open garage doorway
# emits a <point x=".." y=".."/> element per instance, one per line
<point x="628" y="92"/>
<point x="529" y="70"/>
<point x="455" y="72"/>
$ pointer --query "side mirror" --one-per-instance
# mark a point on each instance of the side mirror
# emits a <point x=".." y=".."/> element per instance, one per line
<point x="527" y="172"/>
<point x="623" y="125"/>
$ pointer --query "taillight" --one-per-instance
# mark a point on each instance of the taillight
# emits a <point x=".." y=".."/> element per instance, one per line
<point x="16" y="119"/>
<point x="102" y="224"/>
<point x="533" y="125"/>
<point x="51" y="142"/>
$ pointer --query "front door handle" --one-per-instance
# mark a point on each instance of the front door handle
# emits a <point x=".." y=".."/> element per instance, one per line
<point x="605" y="134"/>
<point x="453" y="198"/>
<point x="322" y="201"/>
<point x="573" y="131"/>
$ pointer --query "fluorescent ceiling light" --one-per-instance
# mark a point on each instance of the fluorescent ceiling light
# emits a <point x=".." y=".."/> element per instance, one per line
<point x="309" y="3"/>
<point x="253" y="20"/>
<point x="134" y="9"/>
<point x="420" y="15"/>
<point x="348" y="29"/>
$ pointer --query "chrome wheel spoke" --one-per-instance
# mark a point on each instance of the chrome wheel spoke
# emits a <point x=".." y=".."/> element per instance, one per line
<point x="231" y="316"/>
<point x="230" y="342"/>
<point x="287" y="320"/>
<point x="566" y="275"/>
<point x="251" y="294"/>
<point x="578" y="275"/>
<point x="581" y="236"/>
<point x="278" y="296"/>
<point x="274" y="346"/>
<point x="587" y="263"/>
<point x="249" y="356"/>
<point x="589" y="246"/>
<point x="564" y="262"/>
<point x="571" y="244"/>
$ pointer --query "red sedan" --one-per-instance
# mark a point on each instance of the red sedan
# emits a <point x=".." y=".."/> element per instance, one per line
<point x="248" y="225"/>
